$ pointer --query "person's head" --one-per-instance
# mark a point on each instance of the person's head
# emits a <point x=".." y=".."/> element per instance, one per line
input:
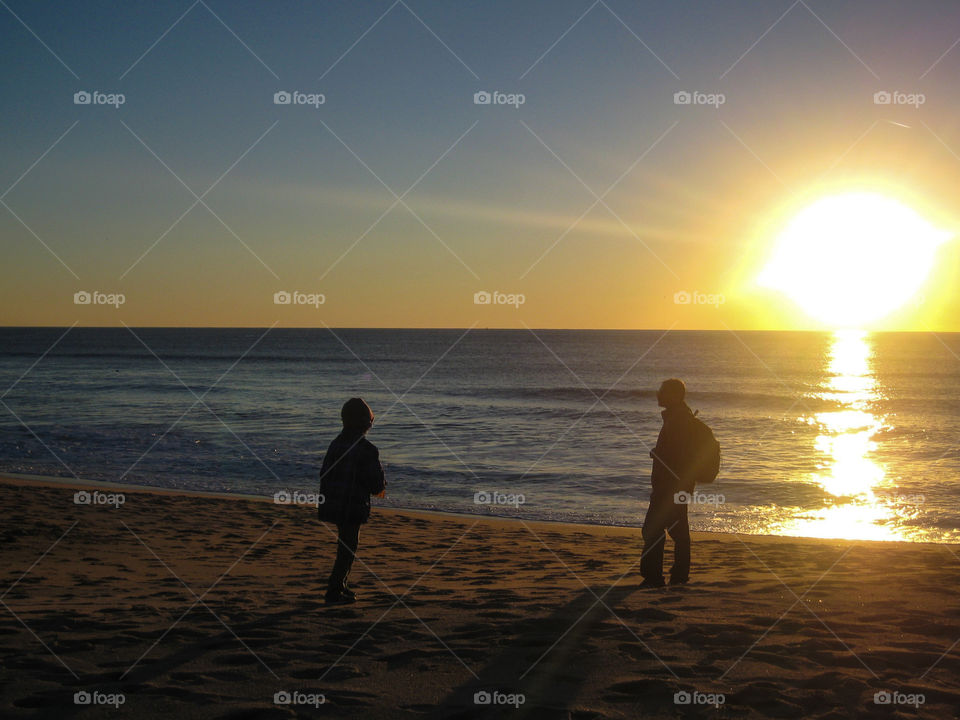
<point x="356" y="415"/>
<point x="671" y="392"/>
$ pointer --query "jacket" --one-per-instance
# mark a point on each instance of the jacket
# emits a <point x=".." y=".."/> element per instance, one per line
<point x="350" y="474"/>
<point x="672" y="453"/>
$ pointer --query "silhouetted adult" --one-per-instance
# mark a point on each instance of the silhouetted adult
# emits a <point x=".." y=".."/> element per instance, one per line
<point x="667" y="513"/>
<point x="350" y="474"/>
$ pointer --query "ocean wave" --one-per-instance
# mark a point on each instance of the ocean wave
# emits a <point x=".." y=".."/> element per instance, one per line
<point x="575" y="393"/>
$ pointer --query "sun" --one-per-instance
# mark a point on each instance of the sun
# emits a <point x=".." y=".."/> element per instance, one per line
<point x="851" y="259"/>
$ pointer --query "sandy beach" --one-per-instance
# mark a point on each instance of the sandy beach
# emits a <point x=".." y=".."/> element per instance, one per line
<point x="208" y="607"/>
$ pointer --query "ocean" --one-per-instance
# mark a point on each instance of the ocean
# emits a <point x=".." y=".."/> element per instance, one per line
<point x="846" y="435"/>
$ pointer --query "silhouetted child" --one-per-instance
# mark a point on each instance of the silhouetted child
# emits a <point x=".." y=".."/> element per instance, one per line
<point x="350" y="474"/>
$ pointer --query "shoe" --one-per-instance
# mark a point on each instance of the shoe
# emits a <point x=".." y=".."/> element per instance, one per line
<point x="679" y="581"/>
<point x="341" y="599"/>
<point x="349" y="595"/>
<point x="650" y="584"/>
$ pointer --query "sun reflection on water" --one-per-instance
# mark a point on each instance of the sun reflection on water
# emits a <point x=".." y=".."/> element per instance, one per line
<point x="857" y="506"/>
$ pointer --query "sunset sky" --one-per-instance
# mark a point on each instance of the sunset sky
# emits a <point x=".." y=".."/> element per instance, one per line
<point x="501" y="198"/>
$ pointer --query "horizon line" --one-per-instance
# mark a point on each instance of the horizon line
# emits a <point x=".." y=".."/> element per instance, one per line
<point x="462" y="328"/>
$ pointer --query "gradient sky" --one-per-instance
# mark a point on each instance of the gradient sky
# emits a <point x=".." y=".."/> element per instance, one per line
<point x="507" y="202"/>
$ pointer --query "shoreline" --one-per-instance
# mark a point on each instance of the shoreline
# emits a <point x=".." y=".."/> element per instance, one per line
<point x="75" y="483"/>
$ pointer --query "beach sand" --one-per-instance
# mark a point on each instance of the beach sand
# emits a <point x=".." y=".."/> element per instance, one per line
<point x="205" y="607"/>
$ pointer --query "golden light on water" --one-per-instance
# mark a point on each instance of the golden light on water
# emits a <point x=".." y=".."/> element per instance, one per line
<point x="846" y="434"/>
<point x="861" y="504"/>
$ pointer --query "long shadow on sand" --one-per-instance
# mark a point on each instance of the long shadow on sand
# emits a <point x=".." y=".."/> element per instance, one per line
<point x="550" y="681"/>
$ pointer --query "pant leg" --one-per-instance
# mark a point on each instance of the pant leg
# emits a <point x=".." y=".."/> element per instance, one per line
<point x="348" y="538"/>
<point x="679" y="530"/>
<point x="654" y="536"/>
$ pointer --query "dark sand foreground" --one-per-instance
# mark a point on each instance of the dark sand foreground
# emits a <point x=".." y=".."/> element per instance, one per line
<point x="205" y="607"/>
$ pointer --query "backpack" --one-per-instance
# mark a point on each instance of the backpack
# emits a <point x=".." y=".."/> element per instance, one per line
<point x="704" y="453"/>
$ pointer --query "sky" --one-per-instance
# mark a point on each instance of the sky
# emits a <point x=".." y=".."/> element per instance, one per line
<point x="586" y="195"/>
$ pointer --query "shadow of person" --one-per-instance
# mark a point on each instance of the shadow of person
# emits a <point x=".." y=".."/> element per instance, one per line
<point x="545" y="659"/>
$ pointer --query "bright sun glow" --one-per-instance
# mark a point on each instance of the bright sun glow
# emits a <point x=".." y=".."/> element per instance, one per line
<point x="849" y="260"/>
